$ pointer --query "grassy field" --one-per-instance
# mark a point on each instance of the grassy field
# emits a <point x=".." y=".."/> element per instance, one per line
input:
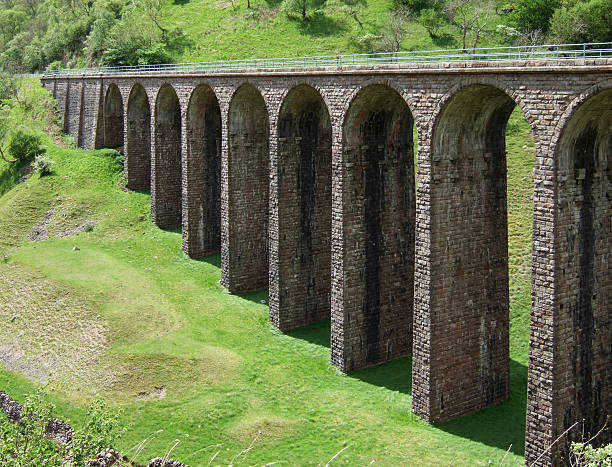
<point x="128" y="317"/>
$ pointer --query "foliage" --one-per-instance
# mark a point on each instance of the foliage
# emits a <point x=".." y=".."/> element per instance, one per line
<point x="471" y="17"/>
<point x="25" y="444"/>
<point x="24" y="145"/>
<point x="585" y="455"/>
<point x="532" y="15"/>
<point x="302" y="7"/>
<point x="42" y="165"/>
<point x="582" y="21"/>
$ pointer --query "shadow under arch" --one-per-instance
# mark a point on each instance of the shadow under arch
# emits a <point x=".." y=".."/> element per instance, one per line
<point x="113" y="118"/>
<point x="461" y="357"/>
<point x="202" y="201"/>
<point x="166" y="189"/>
<point x="244" y="251"/>
<point x="372" y="322"/>
<point x="581" y="375"/>
<point x="138" y="140"/>
<point x="302" y="280"/>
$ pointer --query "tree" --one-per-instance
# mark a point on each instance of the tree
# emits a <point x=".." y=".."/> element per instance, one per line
<point x="432" y="21"/>
<point x="531" y="15"/>
<point x="393" y="31"/>
<point x="301" y="6"/>
<point x="471" y="17"/>
<point x="584" y="21"/>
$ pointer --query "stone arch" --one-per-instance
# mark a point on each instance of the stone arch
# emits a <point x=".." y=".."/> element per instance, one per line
<point x="113" y="118"/>
<point x="166" y="174"/>
<point x="202" y="209"/>
<point x="374" y="323"/>
<point x="138" y="140"/>
<point x="245" y="260"/>
<point x="466" y="323"/>
<point x="581" y="374"/>
<point x="304" y="209"/>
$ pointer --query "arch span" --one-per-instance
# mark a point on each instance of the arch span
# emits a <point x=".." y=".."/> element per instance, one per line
<point x="304" y="210"/>
<point x="466" y="325"/>
<point x="374" y="322"/>
<point x="113" y="118"/>
<point x="166" y="174"/>
<point x="245" y="260"/>
<point x="580" y="334"/>
<point x="138" y="140"/>
<point x="202" y="202"/>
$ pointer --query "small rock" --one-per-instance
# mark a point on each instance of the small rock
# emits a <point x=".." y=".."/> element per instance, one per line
<point x="75" y="248"/>
<point x="263" y="302"/>
<point x="13" y="319"/>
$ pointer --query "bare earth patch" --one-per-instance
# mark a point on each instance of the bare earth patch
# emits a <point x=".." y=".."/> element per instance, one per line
<point x="62" y="221"/>
<point x="48" y="334"/>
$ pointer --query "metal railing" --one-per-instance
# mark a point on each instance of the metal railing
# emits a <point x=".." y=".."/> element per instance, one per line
<point x="517" y="53"/>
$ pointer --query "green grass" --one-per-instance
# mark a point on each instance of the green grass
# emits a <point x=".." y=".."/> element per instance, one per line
<point x="229" y="376"/>
<point x="221" y="30"/>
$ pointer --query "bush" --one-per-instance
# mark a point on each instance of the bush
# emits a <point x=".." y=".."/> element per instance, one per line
<point x="25" y="146"/>
<point x="25" y="444"/>
<point x="42" y="165"/>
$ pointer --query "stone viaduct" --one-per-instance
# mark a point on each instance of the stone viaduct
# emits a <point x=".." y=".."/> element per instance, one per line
<point x="304" y="180"/>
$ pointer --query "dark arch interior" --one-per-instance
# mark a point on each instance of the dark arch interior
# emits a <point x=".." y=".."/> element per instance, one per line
<point x="470" y="282"/>
<point x="379" y="219"/>
<point x="113" y="118"/>
<point x="166" y="189"/>
<point x="584" y="251"/>
<point x="304" y="189"/>
<point x="138" y="141"/>
<point x="203" y="216"/>
<point x="248" y="190"/>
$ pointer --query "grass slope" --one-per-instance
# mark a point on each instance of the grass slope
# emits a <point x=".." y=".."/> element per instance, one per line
<point x="164" y="326"/>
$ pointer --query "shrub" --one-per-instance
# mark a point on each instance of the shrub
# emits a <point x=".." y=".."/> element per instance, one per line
<point x="25" y="146"/>
<point x="42" y="165"/>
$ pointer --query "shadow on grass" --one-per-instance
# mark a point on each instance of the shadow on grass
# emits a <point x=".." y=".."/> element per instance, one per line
<point x="172" y="229"/>
<point x="395" y="375"/>
<point x="256" y="296"/>
<point x="501" y="425"/>
<point x="319" y="25"/>
<point x="181" y="2"/>
<point x="317" y="333"/>
<point x="142" y="192"/>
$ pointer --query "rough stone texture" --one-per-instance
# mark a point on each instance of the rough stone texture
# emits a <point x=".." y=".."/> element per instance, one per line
<point x="245" y="253"/>
<point x="113" y="118"/>
<point x="303" y="200"/>
<point x="460" y="278"/>
<point x="202" y="175"/>
<point x="166" y="186"/>
<point x="378" y="229"/>
<point x="137" y="145"/>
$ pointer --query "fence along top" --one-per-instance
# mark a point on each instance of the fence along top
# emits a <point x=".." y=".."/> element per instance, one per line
<point x="536" y="52"/>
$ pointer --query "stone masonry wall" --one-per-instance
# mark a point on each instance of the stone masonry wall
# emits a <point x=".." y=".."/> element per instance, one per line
<point x="137" y="145"/>
<point x="460" y="169"/>
<point x="304" y="210"/>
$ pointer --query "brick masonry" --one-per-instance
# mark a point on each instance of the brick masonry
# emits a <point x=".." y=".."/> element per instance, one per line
<point x="439" y="256"/>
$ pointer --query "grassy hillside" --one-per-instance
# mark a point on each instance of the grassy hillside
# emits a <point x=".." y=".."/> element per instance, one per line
<point x="128" y="317"/>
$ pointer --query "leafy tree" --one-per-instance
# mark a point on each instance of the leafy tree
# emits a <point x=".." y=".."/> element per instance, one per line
<point x="582" y="21"/>
<point x="530" y="15"/>
<point x="432" y="21"/>
<point x="471" y="17"/>
<point x="302" y="7"/>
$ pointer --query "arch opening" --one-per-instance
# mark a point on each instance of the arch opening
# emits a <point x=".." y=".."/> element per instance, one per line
<point x="304" y="210"/>
<point x="375" y="324"/>
<point x="583" y="248"/>
<point x="138" y="140"/>
<point x="166" y="186"/>
<point x="202" y="219"/>
<point x="245" y="260"/>
<point x="113" y="118"/>
<point x="469" y="291"/>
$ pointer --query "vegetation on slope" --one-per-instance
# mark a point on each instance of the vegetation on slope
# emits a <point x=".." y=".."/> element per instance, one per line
<point x="48" y="34"/>
<point x="127" y="316"/>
